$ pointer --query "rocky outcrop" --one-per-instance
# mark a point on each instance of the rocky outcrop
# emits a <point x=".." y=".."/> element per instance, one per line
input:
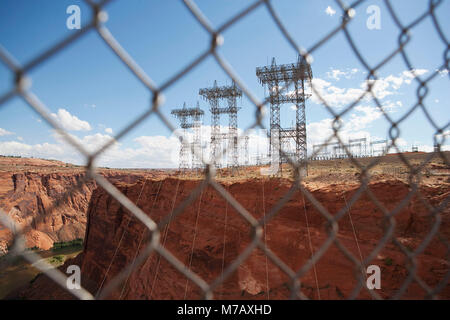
<point x="33" y="200"/>
<point x="33" y="193"/>
<point x="210" y="234"/>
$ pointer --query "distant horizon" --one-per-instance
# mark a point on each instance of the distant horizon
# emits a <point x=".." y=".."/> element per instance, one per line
<point x="192" y="169"/>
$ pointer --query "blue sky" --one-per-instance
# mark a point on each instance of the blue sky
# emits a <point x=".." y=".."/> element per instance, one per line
<point x="93" y="95"/>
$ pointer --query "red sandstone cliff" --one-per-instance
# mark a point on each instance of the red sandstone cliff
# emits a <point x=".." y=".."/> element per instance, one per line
<point x="33" y="195"/>
<point x="30" y="190"/>
<point x="222" y="234"/>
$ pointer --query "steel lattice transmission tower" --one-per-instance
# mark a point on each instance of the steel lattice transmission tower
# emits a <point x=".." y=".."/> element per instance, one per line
<point x="214" y="95"/>
<point x="190" y="118"/>
<point x="279" y="79"/>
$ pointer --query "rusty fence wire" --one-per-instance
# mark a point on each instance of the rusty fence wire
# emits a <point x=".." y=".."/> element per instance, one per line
<point x="21" y="88"/>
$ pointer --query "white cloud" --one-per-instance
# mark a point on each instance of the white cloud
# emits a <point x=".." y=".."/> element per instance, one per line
<point x="90" y="142"/>
<point x="4" y="132"/>
<point x="443" y="72"/>
<point x="330" y="11"/>
<point x="396" y="82"/>
<point x="149" y="151"/>
<point x="381" y="88"/>
<point x="70" y="122"/>
<point x="333" y="95"/>
<point x="145" y="152"/>
<point x="319" y="131"/>
<point x="361" y="118"/>
<point x="382" y="85"/>
<point x="45" y="150"/>
<point x="336" y="74"/>
<point x="109" y="130"/>
<point x="409" y="75"/>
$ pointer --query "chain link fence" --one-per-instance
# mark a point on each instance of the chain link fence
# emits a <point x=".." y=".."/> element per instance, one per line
<point x="155" y="246"/>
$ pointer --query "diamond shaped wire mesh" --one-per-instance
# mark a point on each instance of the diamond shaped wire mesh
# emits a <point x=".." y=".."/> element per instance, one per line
<point x="156" y="231"/>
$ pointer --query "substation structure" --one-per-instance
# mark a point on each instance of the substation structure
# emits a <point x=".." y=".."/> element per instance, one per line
<point x="355" y="148"/>
<point x="278" y="79"/>
<point x="190" y="118"/>
<point x="214" y="95"/>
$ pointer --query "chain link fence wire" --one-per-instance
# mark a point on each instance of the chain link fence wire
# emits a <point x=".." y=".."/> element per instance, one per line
<point x="21" y="88"/>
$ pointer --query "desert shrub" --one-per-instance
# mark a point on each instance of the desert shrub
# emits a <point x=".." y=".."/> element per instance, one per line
<point x="66" y="244"/>
<point x="35" y="248"/>
<point x="57" y="259"/>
